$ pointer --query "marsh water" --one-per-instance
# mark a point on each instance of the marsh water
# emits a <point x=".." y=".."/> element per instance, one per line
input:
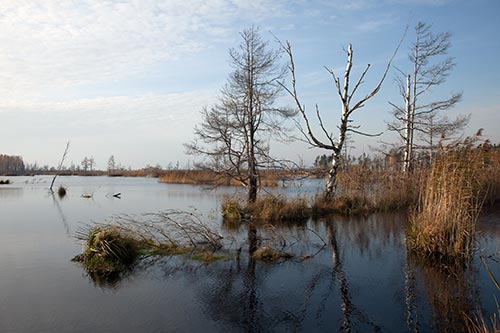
<point x="348" y="274"/>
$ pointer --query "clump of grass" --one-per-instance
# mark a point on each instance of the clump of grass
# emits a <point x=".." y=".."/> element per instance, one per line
<point x="109" y="249"/>
<point x="233" y="210"/>
<point x="444" y="224"/>
<point x="271" y="208"/>
<point x="345" y="205"/>
<point x="61" y="191"/>
<point x="269" y="254"/>
<point x="266" y="209"/>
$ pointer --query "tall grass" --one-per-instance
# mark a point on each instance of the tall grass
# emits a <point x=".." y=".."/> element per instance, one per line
<point x="363" y="190"/>
<point x="444" y="223"/>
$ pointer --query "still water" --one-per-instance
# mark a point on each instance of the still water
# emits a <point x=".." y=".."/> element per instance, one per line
<point x="363" y="280"/>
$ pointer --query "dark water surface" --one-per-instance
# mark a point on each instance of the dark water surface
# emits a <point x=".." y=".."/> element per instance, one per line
<point x="363" y="280"/>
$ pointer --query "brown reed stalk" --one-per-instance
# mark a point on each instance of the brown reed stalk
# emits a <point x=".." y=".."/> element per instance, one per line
<point x="444" y="223"/>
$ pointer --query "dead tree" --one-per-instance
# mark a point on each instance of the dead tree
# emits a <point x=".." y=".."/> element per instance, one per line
<point x="59" y="168"/>
<point x="348" y="106"/>
<point x="234" y="133"/>
<point x="415" y="116"/>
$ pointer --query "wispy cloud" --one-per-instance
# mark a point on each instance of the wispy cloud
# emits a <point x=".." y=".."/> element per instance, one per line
<point x="65" y="43"/>
<point x="117" y="110"/>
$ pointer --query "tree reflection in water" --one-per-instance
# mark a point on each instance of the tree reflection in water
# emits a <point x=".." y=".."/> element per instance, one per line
<point x="331" y="291"/>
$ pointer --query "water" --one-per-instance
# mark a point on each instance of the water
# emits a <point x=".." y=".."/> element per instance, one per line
<point x="362" y="280"/>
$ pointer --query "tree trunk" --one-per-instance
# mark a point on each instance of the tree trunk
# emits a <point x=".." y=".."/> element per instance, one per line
<point x="337" y="151"/>
<point x="252" y="189"/>
<point x="408" y="130"/>
<point x="331" y="181"/>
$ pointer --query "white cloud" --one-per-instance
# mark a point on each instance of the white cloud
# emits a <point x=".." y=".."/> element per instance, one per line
<point x="55" y="44"/>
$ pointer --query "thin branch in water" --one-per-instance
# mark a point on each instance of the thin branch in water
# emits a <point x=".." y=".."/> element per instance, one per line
<point x="60" y="166"/>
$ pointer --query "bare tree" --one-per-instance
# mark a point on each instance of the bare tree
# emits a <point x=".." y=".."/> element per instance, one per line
<point x="85" y="164"/>
<point x="59" y="168"/>
<point x="348" y="106"/>
<point x="427" y="73"/>
<point x="235" y="132"/>
<point x="111" y="164"/>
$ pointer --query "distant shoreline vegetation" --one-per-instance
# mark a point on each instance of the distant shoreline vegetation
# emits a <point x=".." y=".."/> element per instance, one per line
<point x="269" y="177"/>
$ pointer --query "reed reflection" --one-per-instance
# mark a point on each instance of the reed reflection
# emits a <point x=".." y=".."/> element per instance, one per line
<point x="450" y="293"/>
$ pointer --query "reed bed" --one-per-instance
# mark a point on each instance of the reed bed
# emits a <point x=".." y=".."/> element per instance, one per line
<point x="444" y="223"/>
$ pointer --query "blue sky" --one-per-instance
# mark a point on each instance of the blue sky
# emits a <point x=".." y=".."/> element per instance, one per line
<point x="129" y="78"/>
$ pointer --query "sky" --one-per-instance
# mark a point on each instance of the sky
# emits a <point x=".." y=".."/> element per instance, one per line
<point x="129" y="78"/>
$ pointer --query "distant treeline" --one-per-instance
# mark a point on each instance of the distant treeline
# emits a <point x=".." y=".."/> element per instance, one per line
<point x="11" y="165"/>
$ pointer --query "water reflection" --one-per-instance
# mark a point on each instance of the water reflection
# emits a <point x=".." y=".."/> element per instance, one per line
<point x="450" y="291"/>
<point x="316" y="293"/>
<point x="62" y="217"/>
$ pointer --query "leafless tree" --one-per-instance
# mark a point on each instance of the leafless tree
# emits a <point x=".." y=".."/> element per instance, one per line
<point x="59" y="168"/>
<point x="111" y="164"/>
<point x="235" y="132"/>
<point x="419" y="116"/>
<point x="348" y="106"/>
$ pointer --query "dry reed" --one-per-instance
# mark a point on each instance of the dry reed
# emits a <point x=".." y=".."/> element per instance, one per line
<point x="444" y="223"/>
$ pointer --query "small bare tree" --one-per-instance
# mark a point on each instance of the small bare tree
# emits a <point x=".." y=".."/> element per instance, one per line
<point x="426" y="74"/>
<point x="348" y="106"/>
<point x="59" y="168"/>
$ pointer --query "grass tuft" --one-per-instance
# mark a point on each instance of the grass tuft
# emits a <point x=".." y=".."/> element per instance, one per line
<point x="61" y="191"/>
<point x="268" y="253"/>
<point x="109" y="249"/>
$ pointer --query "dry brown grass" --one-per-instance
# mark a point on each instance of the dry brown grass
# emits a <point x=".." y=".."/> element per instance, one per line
<point x="196" y="177"/>
<point x="271" y="208"/>
<point x="268" y="178"/>
<point x="361" y="190"/>
<point x="444" y="223"/>
<point x="379" y="190"/>
<point x="267" y="209"/>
